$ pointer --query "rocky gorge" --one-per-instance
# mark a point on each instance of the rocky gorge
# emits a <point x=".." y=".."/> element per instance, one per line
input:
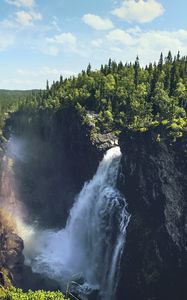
<point x="152" y="177"/>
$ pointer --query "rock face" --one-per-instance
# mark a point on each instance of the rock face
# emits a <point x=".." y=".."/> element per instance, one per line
<point x="11" y="257"/>
<point x="154" y="181"/>
<point x="57" y="158"/>
<point x="61" y="157"/>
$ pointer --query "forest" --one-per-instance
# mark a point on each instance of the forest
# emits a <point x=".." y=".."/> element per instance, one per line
<point x="118" y="97"/>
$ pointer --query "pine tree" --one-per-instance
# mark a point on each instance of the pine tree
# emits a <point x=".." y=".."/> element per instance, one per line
<point x="160" y="63"/>
<point x="47" y="85"/>
<point x="136" y="71"/>
<point x="89" y="68"/>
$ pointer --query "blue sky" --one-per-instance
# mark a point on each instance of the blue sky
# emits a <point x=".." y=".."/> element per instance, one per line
<point x="41" y="39"/>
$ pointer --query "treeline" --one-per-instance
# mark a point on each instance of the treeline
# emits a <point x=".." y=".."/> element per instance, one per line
<point x="123" y="96"/>
<point x="11" y="100"/>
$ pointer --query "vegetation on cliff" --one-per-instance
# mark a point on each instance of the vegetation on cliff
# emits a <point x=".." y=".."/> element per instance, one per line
<point x="9" y="102"/>
<point x="121" y="96"/>
<point x="18" y="294"/>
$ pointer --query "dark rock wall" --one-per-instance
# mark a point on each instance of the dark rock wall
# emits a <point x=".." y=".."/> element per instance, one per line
<point x="59" y="158"/>
<point x="154" y="181"/>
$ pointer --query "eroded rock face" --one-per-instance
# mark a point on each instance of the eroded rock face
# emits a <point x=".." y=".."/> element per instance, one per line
<point x="11" y="257"/>
<point x="154" y="181"/>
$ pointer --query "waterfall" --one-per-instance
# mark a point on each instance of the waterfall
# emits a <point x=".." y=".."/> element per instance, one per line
<point x="89" y="248"/>
<point x="86" y="254"/>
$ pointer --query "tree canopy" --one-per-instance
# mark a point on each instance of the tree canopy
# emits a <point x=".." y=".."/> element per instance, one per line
<point x="122" y="96"/>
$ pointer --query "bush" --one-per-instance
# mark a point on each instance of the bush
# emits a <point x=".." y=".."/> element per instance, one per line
<point x="18" y="294"/>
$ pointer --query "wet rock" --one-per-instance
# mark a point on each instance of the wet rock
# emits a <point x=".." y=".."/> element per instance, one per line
<point x="105" y="141"/>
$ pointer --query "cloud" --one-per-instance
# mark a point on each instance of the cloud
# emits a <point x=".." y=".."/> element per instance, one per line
<point x="29" y="78"/>
<point x="55" y="23"/>
<point x="97" y="22"/>
<point x="141" y="11"/>
<point x="120" y="36"/>
<point x="66" y="38"/>
<point x="20" y="3"/>
<point x="97" y="43"/>
<point x="26" y="18"/>
<point x="50" y="50"/>
<point x="147" y="44"/>
<point x="53" y="45"/>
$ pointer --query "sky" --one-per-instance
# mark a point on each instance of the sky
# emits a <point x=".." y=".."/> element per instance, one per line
<point x="43" y="39"/>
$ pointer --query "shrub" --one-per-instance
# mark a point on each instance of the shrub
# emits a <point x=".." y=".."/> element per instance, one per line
<point x="18" y="294"/>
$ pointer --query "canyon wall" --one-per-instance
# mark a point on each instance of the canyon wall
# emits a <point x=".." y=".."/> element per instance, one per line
<point x="153" y="179"/>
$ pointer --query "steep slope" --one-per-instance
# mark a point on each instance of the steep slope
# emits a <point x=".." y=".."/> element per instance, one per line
<point x="154" y="181"/>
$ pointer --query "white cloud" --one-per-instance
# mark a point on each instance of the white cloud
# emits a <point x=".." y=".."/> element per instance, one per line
<point x="135" y="29"/>
<point x="65" y="41"/>
<point x="36" y="15"/>
<point x="97" y="43"/>
<point x="116" y="49"/>
<point x="141" y="11"/>
<point x="26" y="18"/>
<point x="55" y="23"/>
<point x="20" y="3"/>
<point x="147" y="44"/>
<point x="66" y="38"/>
<point x="120" y="36"/>
<point x="97" y="22"/>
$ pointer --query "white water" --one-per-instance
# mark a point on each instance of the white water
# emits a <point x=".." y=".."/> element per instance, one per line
<point x="90" y="246"/>
<point x="88" y="250"/>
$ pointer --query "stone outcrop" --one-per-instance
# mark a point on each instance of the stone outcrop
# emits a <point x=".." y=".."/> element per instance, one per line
<point x="11" y="257"/>
<point x="153" y="179"/>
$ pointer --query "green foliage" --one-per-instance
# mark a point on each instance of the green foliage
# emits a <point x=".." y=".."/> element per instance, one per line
<point x="18" y="294"/>
<point x="119" y="97"/>
<point x="11" y="101"/>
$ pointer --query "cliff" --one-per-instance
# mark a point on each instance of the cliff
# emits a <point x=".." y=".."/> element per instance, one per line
<point x="60" y="156"/>
<point x="153" y="179"/>
<point x="11" y="257"/>
<point x="56" y="157"/>
<point x="11" y="245"/>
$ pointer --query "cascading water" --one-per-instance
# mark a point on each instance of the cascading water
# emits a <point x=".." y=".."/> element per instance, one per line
<point x="90" y="247"/>
<point x="88" y="250"/>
